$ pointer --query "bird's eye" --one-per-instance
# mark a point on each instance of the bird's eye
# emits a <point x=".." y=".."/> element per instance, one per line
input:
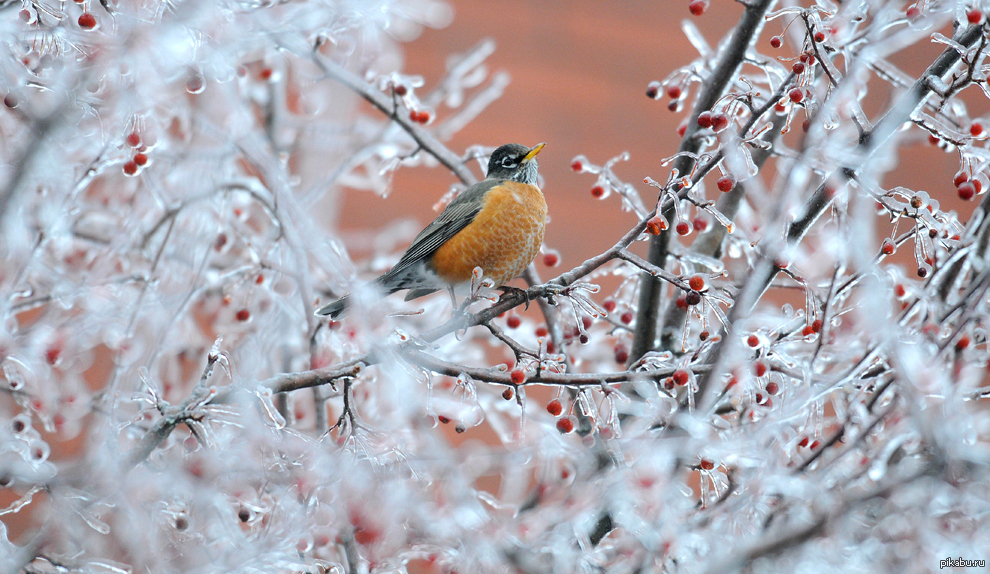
<point x="508" y="162"/>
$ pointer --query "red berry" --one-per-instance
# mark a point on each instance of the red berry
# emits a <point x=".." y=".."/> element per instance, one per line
<point x="976" y="183"/>
<point x="655" y="225"/>
<point x="899" y="291"/>
<point x="141" y="159"/>
<point x="692" y="298"/>
<point x="621" y="354"/>
<point x="933" y="140"/>
<point x="130" y="168"/>
<point x="565" y="425"/>
<point x="760" y="368"/>
<point x="576" y="165"/>
<point x="887" y="248"/>
<point x="698" y="7"/>
<point x="697" y="282"/>
<point x="609" y="305"/>
<point x="683" y="228"/>
<point x="966" y="191"/>
<point x="680" y="377"/>
<point x="753" y="341"/>
<point x="975" y="129"/>
<point x="513" y="321"/>
<point x="586" y="322"/>
<point x="974" y="16"/>
<point x="682" y="129"/>
<point x="517" y="376"/>
<point x="798" y="68"/>
<point x="24" y="15"/>
<point x="653" y="90"/>
<point x="681" y="302"/>
<point x="922" y="272"/>
<point x="706" y="464"/>
<point x="134" y="139"/>
<point x="704" y="335"/>
<point x="541" y="332"/>
<point x="807" y="331"/>
<point x="52" y="354"/>
<point x="507" y="394"/>
<point x="555" y="408"/>
<point x="598" y="191"/>
<point x="803" y="442"/>
<point x="912" y="12"/>
<point x="705" y="119"/>
<point x="11" y="101"/>
<point x="551" y="259"/>
<point x="626" y="317"/>
<point x="819" y="37"/>
<point x="962" y="343"/>
<point x="243" y="315"/>
<point x="443" y="419"/>
<point x="725" y="184"/>
<point x="699" y="224"/>
<point x="816" y="325"/>
<point x="780" y="107"/>
<point x="87" y="21"/>
<point x="673" y="91"/>
<point x="815" y="445"/>
<point x="772" y="388"/>
<point x="796" y="95"/>
<point x="775" y="42"/>
<point x="719" y="122"/>
<point x="959" y="179"/>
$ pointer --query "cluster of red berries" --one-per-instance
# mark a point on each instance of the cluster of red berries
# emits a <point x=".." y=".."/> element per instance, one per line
<point x="967" y="188"/>
<point x="420" y="116"/>
<point x="140" y="158"/>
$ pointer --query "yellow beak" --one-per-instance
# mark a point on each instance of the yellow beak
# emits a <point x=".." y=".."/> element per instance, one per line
<point x="532" y="153"/>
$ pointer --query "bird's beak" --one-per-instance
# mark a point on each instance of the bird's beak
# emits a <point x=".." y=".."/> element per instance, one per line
<point x="532" y="153"/>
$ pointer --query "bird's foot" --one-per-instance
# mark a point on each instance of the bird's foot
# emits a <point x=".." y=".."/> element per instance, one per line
<point x="507" y="291"/>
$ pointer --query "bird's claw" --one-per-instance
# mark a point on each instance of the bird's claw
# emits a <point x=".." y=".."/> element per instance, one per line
<point x="506" y="290"/>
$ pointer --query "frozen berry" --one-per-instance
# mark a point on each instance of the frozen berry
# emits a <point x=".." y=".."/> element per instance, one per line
<point x="705" y="119"/>
<point x="555" y="408"/>
<point x="725" y="184"/>
<point x="87" y="21"/>
<point x="653" y="90"/>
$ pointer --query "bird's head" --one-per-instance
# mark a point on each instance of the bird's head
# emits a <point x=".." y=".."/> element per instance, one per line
<point x="516" y="162"/>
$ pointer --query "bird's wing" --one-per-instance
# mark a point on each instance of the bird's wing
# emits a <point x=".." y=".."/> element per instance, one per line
<point x="458" y="214"/>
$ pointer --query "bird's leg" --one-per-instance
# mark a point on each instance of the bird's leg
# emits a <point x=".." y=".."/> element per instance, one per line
<point x="453" y="300"/>
<point x="506" y="290"/>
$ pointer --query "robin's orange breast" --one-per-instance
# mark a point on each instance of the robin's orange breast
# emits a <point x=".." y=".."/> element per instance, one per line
<point x="503" y="239"/>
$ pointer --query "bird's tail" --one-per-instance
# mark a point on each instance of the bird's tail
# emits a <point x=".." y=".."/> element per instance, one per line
<point x="333" y="308"/>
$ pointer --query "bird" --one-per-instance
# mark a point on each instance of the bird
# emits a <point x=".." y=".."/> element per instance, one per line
<point x="496" y="224"/>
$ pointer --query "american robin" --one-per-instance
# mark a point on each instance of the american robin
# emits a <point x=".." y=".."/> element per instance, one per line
<point x="496" y="224"/>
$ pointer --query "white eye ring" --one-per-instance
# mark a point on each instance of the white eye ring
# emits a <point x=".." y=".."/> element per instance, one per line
<point x="508" y="162"/>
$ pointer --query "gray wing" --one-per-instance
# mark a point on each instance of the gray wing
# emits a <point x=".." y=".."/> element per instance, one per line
<point x="454" y="218"/>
